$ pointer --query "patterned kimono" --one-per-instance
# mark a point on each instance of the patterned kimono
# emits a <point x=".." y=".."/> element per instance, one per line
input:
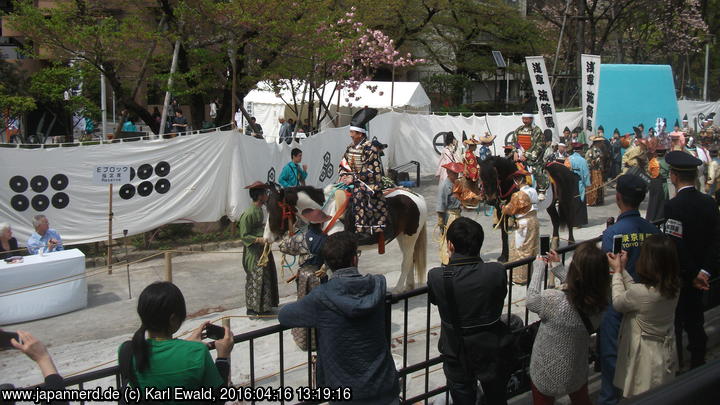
<point x="595" y="160"/>
<point x="368" y="203"/>
<point x="532" y="141"/>
<point x="471" y="166"/>
<point x="261" y="284"/>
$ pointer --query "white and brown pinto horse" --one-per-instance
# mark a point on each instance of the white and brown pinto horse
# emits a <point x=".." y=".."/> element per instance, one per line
<point x="407" y="212"/>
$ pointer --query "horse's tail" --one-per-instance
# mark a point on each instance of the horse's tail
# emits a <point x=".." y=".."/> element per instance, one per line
<point x="420" y="255"/>
<point x="566" y="183"/>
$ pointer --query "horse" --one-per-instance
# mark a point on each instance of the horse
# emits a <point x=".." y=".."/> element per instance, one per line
<point x="498" y="186"/>
<point x="407" y="212"/>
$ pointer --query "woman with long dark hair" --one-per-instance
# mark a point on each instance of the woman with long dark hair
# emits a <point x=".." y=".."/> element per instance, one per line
<point x="159" y="360"/>
<point x="646" y="348"/>
<point x="559" y="360"/>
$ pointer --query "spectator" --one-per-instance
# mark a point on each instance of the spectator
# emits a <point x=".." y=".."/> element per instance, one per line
<point x="349" y="314"/>
<point x="214" y="108"/>
<point x="285" y="131"/>
<point x="630" y="192"/>
<point x="470" y="296"/>
<point x="38" y="353"/>
<point x="129" y="126"/>
<point x="646" y="350"/>
<point x="239" y="119"/>
<point x="44" y="239"/>
<point x="8" y="244"/>
<point x="559" y="360"/>
<point x="156" y="116"/>
<point x="306" y="127"/>
<point x="161" y="361"/>
<point x="253" y="128"/>
<point x="293" y="174"/>
<point x="179" y="123"/>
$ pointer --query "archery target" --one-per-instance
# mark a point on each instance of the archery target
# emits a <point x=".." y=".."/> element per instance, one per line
<point x="18" y="184"/>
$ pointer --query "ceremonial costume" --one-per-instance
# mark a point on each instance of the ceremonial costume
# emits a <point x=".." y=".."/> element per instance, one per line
<point x="693" y="223"/>
<point x="472" y="170"/>
<point x="362" y="161"/>
<point x="685" y="128"/>
<point x="580" y="167"/>
<point x="449" y="208"/>
<point x="659" y="171"/>
<point x="615" y="155"/>
<point x="713" y="178"/>
<point x="526" y="239"/>
<point x="485" y="142"/>
<point x="595" y="160"/>
<point x="261" y="285"/>
<point x="636" y="156"/>
<point x="530" y="138"/>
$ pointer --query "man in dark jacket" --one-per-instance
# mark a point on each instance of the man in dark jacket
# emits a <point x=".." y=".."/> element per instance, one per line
<point x="349" y="314"/>
<point x="692" y="222"/>
<point x="475" y="304"/>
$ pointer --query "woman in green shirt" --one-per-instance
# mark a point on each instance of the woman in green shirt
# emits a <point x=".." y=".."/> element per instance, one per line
<point x="161" y="361"/>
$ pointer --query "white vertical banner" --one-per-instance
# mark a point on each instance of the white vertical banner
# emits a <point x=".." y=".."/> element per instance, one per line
<point x="543" y="93"/>
<point x="590" y="67"/>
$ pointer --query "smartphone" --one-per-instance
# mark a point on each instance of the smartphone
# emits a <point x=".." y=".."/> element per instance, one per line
<point x="544" y="244"/>
<point x="5" y="338"/>
<point x="617" y="244"/>
<point x="214" y="332"/>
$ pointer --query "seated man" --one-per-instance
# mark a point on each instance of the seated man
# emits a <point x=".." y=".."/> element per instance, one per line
<point x="253" y="128"/>
<point x="44" y="239"/>
<point x="470" y="296"/>
<point x="349" y="314"/>
<point x="179" y="123"/>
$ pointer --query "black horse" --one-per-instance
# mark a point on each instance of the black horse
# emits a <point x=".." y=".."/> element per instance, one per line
<point x="498" y="186"/>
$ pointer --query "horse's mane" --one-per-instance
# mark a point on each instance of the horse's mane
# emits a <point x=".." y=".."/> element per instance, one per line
<point x="316" y="194"/>
<point x="493" y="169"/>
<point x="567" y="189"/>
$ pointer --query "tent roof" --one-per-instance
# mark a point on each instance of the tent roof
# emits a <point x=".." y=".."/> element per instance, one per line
<point x="406" y="94"/>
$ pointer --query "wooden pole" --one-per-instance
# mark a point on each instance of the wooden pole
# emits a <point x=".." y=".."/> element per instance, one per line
<point x="127" y="263"/>
<point x="168" y="266"/>
<point x="109" y="243"/>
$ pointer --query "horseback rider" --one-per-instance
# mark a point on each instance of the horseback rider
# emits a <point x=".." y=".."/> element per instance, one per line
<point x="530" y="139"/>
<point x="361" y="169"/>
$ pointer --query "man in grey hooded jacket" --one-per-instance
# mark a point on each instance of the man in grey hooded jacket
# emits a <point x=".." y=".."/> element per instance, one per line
<point x="349" y="314"/>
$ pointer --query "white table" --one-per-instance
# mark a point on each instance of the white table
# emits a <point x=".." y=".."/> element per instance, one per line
<point x="28" y="290"/>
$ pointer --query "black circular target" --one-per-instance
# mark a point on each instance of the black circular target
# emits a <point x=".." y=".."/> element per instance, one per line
<point x="162" y="186"/>
<point x="144" y="171"/>
<point x="39" y="184"/>
<point x="145" y="188"/>
<point x="162" y="169"/>
<point x="19" y="202"/>
<point x="60" y="200"/>
<point x="59" y="182"/>
<point x="127" y="191"/>
<point x="40" y="202"/>
<point x="132" y="173"/>
<point x="18" y="184"/>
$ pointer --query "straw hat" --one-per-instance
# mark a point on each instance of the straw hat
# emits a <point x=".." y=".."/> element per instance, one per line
<point x="487" y="138"/>
<point x="471" y="141"/>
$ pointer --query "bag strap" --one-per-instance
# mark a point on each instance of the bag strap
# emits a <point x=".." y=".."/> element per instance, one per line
<point x="585" y="320"/>
<point x="448" y="276"/>
<point x="125" y="363"/>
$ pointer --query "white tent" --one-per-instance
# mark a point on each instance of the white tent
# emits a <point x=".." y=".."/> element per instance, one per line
<point x="267" y="106"/>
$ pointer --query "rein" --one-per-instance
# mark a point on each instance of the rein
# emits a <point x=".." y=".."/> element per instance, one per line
<point x="288" y="214"/>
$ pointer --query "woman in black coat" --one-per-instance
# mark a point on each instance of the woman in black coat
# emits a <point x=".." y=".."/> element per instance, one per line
<point x="8" y="244"/>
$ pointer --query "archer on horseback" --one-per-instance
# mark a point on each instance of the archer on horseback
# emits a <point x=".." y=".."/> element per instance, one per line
<point x="361" y="170"/>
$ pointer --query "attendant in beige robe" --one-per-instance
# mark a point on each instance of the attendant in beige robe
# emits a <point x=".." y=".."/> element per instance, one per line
<point x="525" y="240"/>
<point x="646" y="355"/>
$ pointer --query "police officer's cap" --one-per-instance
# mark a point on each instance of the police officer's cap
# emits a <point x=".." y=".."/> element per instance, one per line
<point x="631" y="186"/>
<point x="682" y="161"/>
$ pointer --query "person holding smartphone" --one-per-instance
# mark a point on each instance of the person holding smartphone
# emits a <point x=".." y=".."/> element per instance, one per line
<point x="633" y="230"/>
<point x="158" y="360"/>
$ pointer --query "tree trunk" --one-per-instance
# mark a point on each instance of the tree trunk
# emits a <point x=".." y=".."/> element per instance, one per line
<point x="126" y="99"/>
<point x="197" y="103"/>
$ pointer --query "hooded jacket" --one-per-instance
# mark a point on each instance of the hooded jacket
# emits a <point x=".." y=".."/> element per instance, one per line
<point x="349" y="314"/>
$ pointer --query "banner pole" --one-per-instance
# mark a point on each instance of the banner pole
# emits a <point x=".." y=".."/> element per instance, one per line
<point x="127" y="263"/>
<point x="109" y="244"/>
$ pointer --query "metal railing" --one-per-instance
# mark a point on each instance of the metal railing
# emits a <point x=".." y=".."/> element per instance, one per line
<point x="391" y="300"/>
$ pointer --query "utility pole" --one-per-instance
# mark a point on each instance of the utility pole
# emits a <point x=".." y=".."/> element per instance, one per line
<point x="707" y="65"/>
